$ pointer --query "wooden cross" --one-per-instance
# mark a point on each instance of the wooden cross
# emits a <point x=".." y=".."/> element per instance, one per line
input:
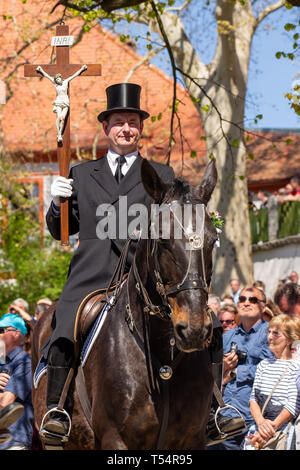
<point x="66" y="69"/>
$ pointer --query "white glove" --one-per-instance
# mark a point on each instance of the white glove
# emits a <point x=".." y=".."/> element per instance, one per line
<point x="61" y="187"/>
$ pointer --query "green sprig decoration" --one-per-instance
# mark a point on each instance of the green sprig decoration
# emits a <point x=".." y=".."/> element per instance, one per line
<point x="216" y="219"/>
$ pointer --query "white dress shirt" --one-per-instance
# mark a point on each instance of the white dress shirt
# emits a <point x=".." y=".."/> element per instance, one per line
<point x="112" y="161"/>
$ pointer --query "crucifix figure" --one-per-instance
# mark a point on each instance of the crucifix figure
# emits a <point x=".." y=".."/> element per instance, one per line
<point x="60" y="75"/>
<point x="62" y="103"/>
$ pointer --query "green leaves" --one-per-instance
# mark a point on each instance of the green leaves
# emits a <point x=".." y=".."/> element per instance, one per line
<point x="34" y="263"/>
<point x="158" y="117"/>
<point x="39" y="269"/>
<point x="124" y="37"/>
<point x="205" y="108"/>
<point x="289" y="26"/>
<point x="257" y="118"/>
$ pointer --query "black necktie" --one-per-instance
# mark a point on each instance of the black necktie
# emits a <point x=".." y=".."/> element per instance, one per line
<point x="119" y="175"/>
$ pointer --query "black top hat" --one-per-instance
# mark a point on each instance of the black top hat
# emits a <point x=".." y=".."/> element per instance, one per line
<point x="123" y="97"/>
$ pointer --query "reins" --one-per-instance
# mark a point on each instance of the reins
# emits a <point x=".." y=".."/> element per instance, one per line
<point x="163" y="372"/>
<point x="158" y="374"/>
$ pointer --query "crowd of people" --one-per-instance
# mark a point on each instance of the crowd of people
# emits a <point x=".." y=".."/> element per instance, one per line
<point x="261" y="344"/>
<point x="17" y="427"/>
<point x="290" y="192"/>
<point x="261" y="365"/>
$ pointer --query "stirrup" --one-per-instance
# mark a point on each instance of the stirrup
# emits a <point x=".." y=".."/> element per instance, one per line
<point x="51" y="439"/>
<point x="223" y="435"/>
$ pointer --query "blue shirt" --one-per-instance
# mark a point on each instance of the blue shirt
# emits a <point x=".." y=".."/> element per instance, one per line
<point x="18" y="362"/>
<point x="236" y="296"/>
<point x="254" y="342"/>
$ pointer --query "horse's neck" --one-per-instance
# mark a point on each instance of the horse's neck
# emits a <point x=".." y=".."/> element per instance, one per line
<point x="159" y="331"/>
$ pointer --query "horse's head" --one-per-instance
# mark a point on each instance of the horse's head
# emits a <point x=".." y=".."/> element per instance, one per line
<point x="182" y="237"/>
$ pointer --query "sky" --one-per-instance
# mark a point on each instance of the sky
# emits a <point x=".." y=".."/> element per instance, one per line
<point x="269" y="78"/>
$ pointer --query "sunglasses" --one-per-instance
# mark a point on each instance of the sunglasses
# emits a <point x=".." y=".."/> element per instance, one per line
<point x="3" y="330"/>
<point x="228" y="322"/>
<point x="252" y="300"/>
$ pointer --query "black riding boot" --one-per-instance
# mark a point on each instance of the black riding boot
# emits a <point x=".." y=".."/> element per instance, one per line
<point x="220" y="427"/>
<point x="57" y="423"/>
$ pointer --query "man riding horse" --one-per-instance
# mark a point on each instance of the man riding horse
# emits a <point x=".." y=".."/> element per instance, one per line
<point x="89" y="185"/>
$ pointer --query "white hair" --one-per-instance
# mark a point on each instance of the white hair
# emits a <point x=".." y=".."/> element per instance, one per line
<point x="23" y="302"/>
<point x="213" y="299"/>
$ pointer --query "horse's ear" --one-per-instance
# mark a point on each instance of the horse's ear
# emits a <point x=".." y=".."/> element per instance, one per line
<point x="208" y="183"/>
<point x="153" y="185"/>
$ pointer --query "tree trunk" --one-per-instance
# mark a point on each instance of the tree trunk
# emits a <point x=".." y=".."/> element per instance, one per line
<point x="230" y="72"/>
<point x="223" y="85"/>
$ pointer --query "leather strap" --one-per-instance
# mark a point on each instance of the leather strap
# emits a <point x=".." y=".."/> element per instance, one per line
<point x="273" y="389"/>
<point x="83" y="396"/>
<point x="218" y="395"/>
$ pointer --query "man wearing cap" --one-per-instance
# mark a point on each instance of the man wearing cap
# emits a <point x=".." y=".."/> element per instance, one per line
<point x="90" y="185"/>
<point x="16" y="412"/>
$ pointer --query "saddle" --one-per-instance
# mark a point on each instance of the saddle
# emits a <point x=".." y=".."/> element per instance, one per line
<point x="92" y="304"/>
<point x="89" y="310"/>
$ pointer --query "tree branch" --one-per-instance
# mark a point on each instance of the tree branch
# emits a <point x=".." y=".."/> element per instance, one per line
<point x="173" y="65"/>
<point x="144" y="59"/>
<point x="269" y="9"/>
<point x="107" y="5"/>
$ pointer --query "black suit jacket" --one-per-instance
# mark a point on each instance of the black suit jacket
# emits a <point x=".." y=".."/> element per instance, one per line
<point x="95" y="260"/>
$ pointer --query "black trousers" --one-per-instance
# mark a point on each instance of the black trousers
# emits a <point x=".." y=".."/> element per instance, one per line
<point x="61" y="353"/>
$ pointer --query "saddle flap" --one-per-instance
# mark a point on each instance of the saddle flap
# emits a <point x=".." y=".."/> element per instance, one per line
<point x="88" y="314"/>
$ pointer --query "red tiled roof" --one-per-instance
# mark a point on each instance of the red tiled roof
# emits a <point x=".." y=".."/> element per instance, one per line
<point x="28" y="120"/>
<point x="276" y="160"/>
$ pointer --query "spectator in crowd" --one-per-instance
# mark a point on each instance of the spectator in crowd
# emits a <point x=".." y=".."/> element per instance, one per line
<point x="227" y="299"/>
<point x="260" y="285"/>
<point x="214" y="303"/>
<point x="41" y="306"/>
<point x="284" y="191"/>
<point x="293" y="193"/>
<point x="251" y="196"/>
<point x="228" y="317"/>
<point x="235" y="290"/>
<point x="283" y="281"/>
<point x="294" y="277"/>
<point x="21" y="307"/>
<point x="16" y="386"/>
<point x="263" y="197"/>
<point x="276" y="376"/>
<point x="270" y="310"/>
<point x="287" y="297"/>
<point x="244" y="347"/>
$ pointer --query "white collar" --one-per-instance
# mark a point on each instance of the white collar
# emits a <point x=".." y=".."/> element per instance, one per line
<point x="112" y="157"/>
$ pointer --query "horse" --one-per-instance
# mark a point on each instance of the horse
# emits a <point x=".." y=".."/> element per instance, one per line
<point x="148" y="374"/>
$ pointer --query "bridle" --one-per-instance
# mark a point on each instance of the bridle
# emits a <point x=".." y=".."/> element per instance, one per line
<point x="189" y="281"/>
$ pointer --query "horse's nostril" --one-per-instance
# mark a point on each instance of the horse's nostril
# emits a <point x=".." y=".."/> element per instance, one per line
<point x="181" y="329"/>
